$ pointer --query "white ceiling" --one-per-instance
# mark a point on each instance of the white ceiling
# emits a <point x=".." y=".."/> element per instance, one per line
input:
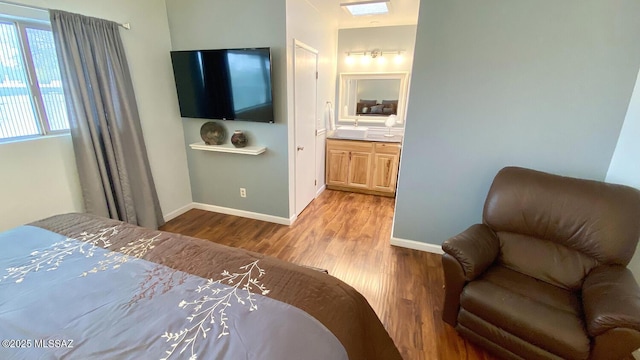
<point x="401" y="12"/>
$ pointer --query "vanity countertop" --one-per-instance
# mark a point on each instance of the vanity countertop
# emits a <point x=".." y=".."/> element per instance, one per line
<point x="370" y="137"/>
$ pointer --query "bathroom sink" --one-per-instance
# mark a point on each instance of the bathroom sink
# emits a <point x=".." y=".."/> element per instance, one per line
<point x="354" y="132"/>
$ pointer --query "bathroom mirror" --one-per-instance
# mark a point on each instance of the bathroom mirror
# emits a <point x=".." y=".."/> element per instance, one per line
<point x="372" y="97"/>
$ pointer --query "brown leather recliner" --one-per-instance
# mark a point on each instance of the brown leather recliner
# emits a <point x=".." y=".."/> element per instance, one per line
<point x="544" y="276"/>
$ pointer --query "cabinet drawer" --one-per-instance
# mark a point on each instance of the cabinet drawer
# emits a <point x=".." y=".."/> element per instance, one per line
<point x="350" y="145"/>
<point x="387" y="148"/>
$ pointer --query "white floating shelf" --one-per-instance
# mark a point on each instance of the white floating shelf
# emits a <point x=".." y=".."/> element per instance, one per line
<point x="229" y="148"/>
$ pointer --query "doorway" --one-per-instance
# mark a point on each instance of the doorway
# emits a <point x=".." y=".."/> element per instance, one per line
<point x="305" y="112"/>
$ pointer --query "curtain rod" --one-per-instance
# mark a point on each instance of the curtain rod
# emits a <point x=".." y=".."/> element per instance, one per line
<point x="123" y="25"/>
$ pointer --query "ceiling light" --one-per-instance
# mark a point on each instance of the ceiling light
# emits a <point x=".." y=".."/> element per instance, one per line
<point x="366" y="8"/>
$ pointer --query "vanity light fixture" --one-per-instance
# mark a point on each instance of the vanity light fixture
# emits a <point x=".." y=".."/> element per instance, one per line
<point x="377" y="54"/>
<point x="360" y="8"/>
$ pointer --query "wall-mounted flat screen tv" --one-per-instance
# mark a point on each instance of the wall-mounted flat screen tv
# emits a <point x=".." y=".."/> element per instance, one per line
<point x="225" y="84"/>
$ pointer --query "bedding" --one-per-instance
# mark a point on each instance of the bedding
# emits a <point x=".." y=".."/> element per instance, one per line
<point x="77" y="286"/>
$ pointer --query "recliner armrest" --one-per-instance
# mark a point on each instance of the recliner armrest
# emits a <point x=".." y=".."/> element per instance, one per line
<point x="475" y="249"/>
<point x="611" y="299"/>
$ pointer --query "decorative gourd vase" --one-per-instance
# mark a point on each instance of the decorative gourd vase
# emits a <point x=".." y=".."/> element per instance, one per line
<point x="239" y="139"/>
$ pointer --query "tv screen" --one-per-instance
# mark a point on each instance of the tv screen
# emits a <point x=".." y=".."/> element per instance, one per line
<point x="226" y="84"/>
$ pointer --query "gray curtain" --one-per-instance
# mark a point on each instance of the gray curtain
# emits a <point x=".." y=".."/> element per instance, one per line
<point x="107" y="138"/>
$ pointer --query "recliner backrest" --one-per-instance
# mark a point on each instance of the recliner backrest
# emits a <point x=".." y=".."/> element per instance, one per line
<point x="557" y="228"/>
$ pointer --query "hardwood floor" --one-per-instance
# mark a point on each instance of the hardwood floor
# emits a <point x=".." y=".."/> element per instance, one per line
<point x="348" y="234"/>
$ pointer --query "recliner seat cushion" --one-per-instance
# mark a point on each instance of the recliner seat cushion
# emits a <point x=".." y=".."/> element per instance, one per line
<point x="535" y="311"/>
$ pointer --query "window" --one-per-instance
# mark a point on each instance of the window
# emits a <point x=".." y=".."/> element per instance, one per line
<point x="31" y="98"/>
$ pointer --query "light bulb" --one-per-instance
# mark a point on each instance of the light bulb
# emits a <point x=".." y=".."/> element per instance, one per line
<point x="365" y="59"/>
<point x="382" y="60"/>
<point x="349" y="60"/>
<point x="398" y="59"/>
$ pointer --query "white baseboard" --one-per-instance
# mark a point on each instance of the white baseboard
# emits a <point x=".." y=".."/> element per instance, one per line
<point x="417" y="245"/>
<point x="322" y="188"/>
<point x="174" y="214"/>
<point x="244" y="213"/>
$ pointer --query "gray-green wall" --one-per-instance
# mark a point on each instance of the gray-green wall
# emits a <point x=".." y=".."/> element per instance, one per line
<point x="217" y="177"/>
<point x="540" y="84"/>
<point x="625" y="167"/>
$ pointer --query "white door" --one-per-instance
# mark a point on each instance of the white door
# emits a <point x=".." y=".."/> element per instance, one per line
<point x="305" y="112"/>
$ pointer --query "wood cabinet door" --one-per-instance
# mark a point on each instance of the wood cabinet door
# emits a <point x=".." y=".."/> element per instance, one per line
<point x="337" y="167"/>
<point x="385" y="174"/>
<point x="360" y="167"/>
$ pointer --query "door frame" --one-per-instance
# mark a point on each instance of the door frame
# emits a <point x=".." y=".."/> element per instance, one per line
<point x="299" y="44"/>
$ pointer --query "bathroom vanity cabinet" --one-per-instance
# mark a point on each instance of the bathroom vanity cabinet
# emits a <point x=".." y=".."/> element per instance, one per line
<point x="362" y="166"/>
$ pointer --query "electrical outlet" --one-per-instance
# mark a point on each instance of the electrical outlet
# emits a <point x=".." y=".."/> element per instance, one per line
<point x="243" y="192"/>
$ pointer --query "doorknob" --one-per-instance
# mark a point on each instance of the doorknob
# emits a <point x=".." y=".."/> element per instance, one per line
<point x="300" y="148"/>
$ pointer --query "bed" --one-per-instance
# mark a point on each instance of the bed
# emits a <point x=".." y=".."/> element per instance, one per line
<point x="77" y="286"/>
